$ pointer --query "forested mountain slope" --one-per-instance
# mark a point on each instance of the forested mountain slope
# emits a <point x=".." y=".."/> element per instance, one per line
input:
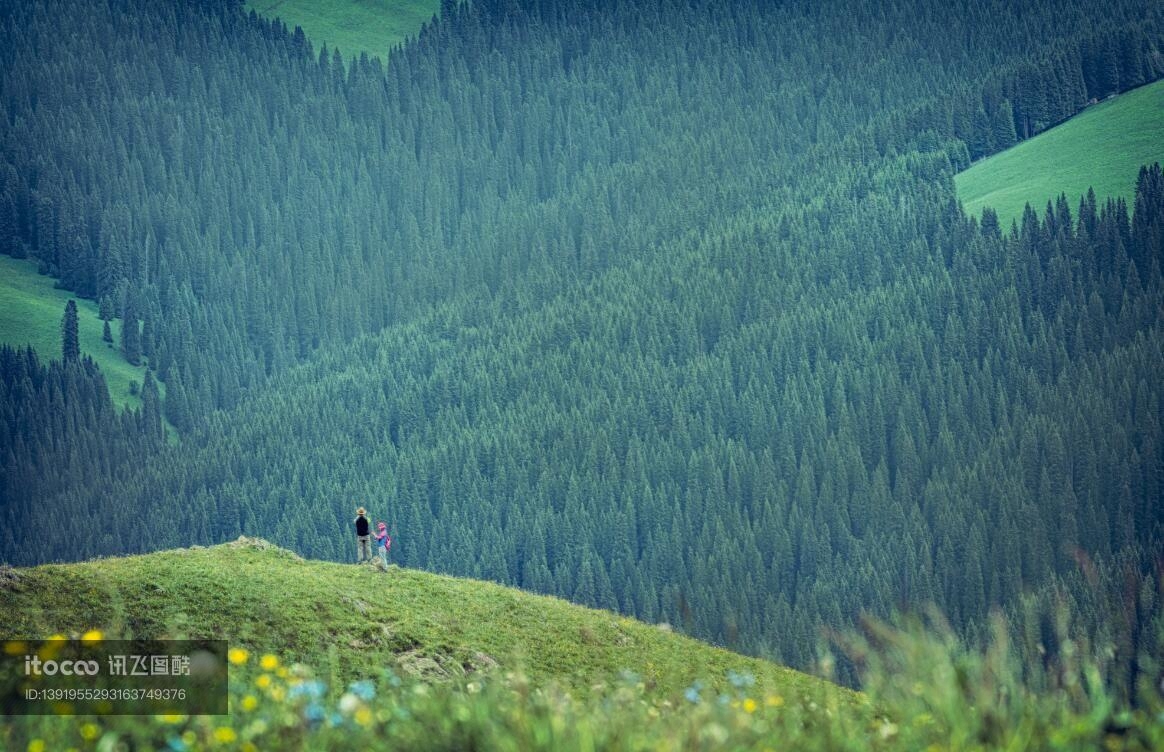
<point x="208" y="176"/>
<point x="679" y="312"/>
<point x="848" y="450"/>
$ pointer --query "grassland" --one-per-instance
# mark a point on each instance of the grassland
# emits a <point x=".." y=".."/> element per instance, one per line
<point x="354" y="26"/>
<point x="30" y="313"/>
<point x="358" y="618"/>
<point x="347" y="657"/>
<point x="1102" y="147"/>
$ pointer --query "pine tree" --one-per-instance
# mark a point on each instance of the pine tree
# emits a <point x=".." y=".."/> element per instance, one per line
<point x="1004" y="132"/>
<point x="151" y="412"/>
<point x="70" y="339"/>
<point x="130" y="336"/>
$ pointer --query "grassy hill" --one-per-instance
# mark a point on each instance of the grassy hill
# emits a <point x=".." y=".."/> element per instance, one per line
<point x="30" y="313"/>
<point x="436" y="650"/>
<point x="446" y="663"/>
<point x="267" y="599"/>
<point x="355" y="26"/>
<point x="1102" y="147"/>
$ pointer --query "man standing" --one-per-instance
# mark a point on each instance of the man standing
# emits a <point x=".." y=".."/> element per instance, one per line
<point x="363" y="544"/>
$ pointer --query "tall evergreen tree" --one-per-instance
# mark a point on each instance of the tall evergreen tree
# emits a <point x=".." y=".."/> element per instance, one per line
<point x="130" y="336"/>
<point x="70" y="336"/>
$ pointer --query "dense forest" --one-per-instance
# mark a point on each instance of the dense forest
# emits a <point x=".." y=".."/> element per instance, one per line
<point x="665" y="307"/>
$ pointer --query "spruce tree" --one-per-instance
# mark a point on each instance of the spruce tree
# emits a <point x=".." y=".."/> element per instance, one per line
<point x="70" y="339"/>
<point x="1004" y="132"/>
<point x="130" y="337"/>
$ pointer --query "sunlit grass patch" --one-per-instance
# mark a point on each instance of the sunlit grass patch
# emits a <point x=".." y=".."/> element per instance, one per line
<point x="354" y="26"/>
<point x="1103" y="148"/>
<point x="31" y="308"/>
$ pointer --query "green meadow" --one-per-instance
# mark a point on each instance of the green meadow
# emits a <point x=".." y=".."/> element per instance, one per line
<point x="31" y="309"/>
<point x="358" y="619"/>
<point x="352" y="657"/>
<point x="1103" y="147"/>
<point x="354" y="26"/>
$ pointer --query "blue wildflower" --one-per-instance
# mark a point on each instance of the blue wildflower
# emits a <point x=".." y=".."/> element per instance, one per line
<point x="739" y="681"/>
<point x="364" y="689"/>
<point x="313" y="690"/>
<point x="314" y="713"/>
<point x="176" y="744"/>
<point x="692" y="692"/>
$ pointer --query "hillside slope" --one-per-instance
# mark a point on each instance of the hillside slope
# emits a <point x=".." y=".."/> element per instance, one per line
<point x="599" y="476"/>
<point x="524" y="671"/>
<point x="654" y="307"/>
<point x="361" y="620"/>
<point x="1101" y="148"/>
<point x="31" y="308"/>
<point x="351" y="26"/>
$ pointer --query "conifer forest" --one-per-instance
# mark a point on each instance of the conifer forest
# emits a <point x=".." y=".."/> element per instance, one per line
<point x="666" y="307"/>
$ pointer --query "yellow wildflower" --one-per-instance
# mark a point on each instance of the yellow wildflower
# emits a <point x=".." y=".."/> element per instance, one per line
<point x="89" y="731"/>
<point x="363" y="716"/>
<point x="269" y="662"/>
<point x="36" y="745"/>
<point x="16" y="647"/>
<point x="92" y="636"/>
<point x="51" y="647"/>
<point x="225" y="734"/>
<point x="774" y="701"/>
<point x="171" y="718"/>
<point x="237" y="656"/>
<point x="749" y="705"/>
<point x="263" y="681"/>
<point x="249" y="703"/>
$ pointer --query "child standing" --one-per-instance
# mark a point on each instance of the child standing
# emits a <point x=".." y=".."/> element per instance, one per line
<point x="383" y="542"/>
